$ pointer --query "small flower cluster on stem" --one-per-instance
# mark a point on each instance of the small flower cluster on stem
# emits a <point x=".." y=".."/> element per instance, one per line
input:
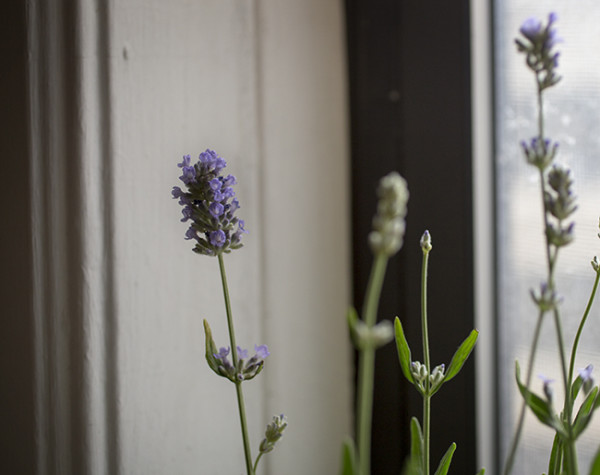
<point x="246" y="368"/>
<point x="385" y="240"/>
<point x="428" y="381"/>
<point x="537" y="43"/>
<point x="210" y="204"/>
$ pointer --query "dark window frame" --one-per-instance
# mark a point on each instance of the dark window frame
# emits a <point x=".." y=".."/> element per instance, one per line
<point x="410" y="102"/>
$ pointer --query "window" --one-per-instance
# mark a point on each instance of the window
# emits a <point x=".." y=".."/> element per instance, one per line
<point x="573" y="119"/>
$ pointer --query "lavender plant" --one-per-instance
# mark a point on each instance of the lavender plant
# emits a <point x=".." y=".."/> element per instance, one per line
<point x="537" y="43"/>
<point x="385" y="240"/>
<point x="209" y="204"/>
<point x="427" y="380"/>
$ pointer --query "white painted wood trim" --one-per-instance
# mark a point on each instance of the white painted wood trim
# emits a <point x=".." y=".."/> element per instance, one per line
<point x="483" y="199"/>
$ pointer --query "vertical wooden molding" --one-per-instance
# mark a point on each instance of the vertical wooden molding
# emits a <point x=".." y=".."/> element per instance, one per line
<point x="73" y="298"/>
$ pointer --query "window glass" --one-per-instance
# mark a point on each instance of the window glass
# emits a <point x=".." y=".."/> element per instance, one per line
<point x="573" y="119"/>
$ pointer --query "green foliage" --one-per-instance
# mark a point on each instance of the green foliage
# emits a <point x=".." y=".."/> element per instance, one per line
<point x="542" y="408"/>
<point x="556" y="456"/>
<point x="461" y="355"/>
<point x="585" y="413"/>
<point x="595" y="470"/>
<point x="416" y="445"/>
<point x="349" y="462"/>
<point x="403" y="350"/>
<point x="211" y="349"/>
<point x="446" y="460"/>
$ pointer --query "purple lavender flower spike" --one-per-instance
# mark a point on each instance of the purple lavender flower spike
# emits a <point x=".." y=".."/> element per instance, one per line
<point x="242" y="354"/>
<point x="209" y="201"/>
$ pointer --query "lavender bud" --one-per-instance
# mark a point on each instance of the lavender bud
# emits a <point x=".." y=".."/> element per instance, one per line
<point x="273" y="433"/>
<point x="547" y="387"/>
<point x="388" y="224"/>
<point x="426" y="242"/>
<point x="586" y="377"/>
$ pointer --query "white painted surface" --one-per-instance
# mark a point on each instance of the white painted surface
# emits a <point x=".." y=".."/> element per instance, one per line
<point x="263" y="83"/>
<point x="483" y="229"/>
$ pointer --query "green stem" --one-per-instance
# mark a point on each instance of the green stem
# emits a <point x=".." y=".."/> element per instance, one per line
<point x="256" y="463"/>
<point x="425" y="334"/>
<point x="580" y="329"/>
<point x="234" y="356"/>
<point x="551" y="261"/>
<point x="516" y="438"/>
<point x="366" y="365"/>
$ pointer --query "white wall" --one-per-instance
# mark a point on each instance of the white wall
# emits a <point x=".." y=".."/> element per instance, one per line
<point x="139" y="84"/>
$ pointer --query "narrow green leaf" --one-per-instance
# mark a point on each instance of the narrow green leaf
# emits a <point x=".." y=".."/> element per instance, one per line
<point x="461" y="355"/>
<point x="595" y="470"/>
<point x="352" y="318"/>
<point x="349" y="462"/>
<point x="411" y="467"/>
<point x="575" y="387"/>
<point x="403" y="350"/>
<point x="585" y="413"/>
<point x="211" y="349"/>
<point x="446" y="460"/>
<point x="555" y="456"/>
<point x="541" y="408"/>
<point x="416" y="444"/>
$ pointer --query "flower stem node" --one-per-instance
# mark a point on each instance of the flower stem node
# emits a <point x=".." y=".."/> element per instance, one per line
<point x="365" y="337"/>
<point x="546" y="299"/>
<point x="539" y="153"/>
<point x="389" y="222"/>
<point x="244" y="369"/>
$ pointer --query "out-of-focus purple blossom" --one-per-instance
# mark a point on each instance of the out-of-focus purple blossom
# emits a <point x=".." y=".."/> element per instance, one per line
<point x="537" y="43"/>
<point x="261" y="351"/>
<point x="586" y="377"/>
<point x="222" y="354"/>
<point x="210" y="204"/>
<point x="242" y="354"/>
<point x="548" y="391"/>
<point x="531" y="28"/>
<point x="586" y="373"/>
